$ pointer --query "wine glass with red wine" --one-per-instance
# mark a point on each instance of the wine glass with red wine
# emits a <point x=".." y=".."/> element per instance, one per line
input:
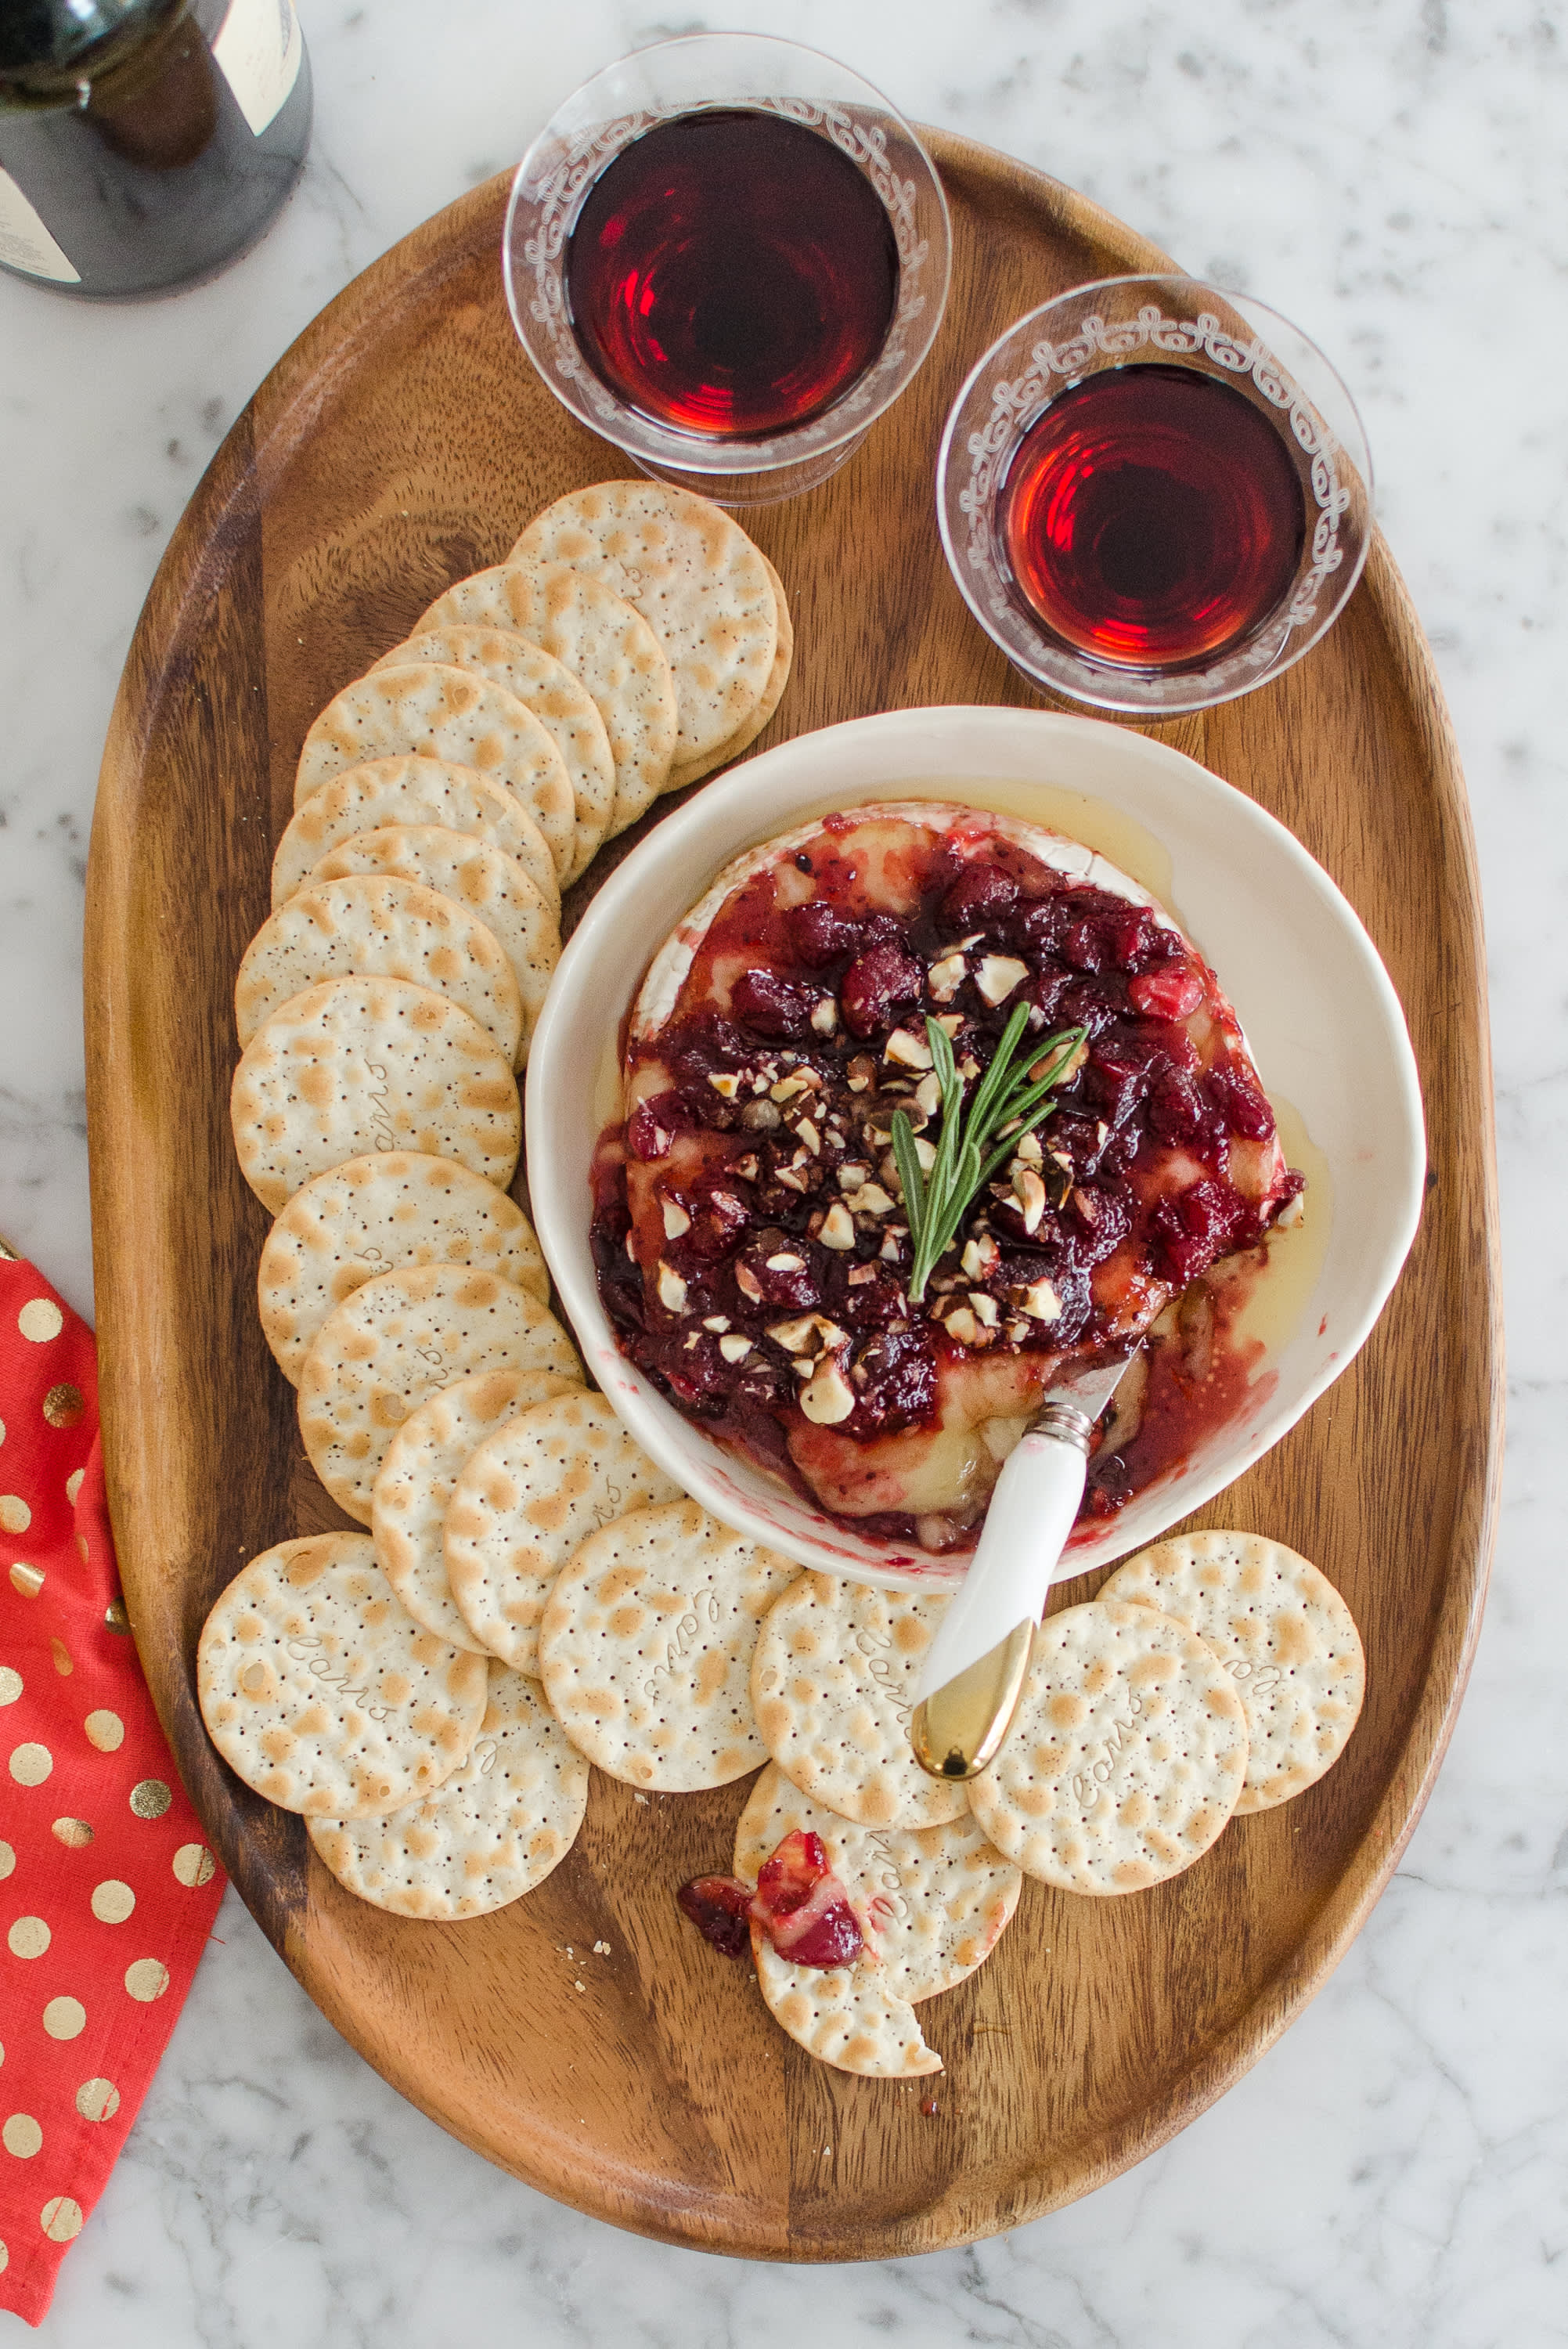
<point x="1154" y="496"/>
<point x="728" y="255"/>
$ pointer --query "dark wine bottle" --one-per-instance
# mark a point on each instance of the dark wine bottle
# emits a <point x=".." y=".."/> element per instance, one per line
<point x="145" y="143"/>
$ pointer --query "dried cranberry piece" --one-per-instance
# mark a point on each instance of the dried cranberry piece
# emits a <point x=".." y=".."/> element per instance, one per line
<point x="1115" y="1085"/>
<point x="771" y="1006"/>
<point x="878" y="984"/>
<point x="780" y="1269"/>
<point x="1085" y="945"/>
<point x="1097" y="1222"/>
<point x="718" y="1218"/>
<point x="1240" y="1103"/>
<point x="654" y="1125"/>
<point x="900" y="1388"/>
<point x="1169" y="993"/>
<point x="982" y="895"/>
<point x="1191" y="1231"/>
<point x="1130" y="939"/>
<point x="819" y="934"/>
<point x="1038" y="929"/>
<point x="720" y="1909"/>
<point x="868" y="1302"/>
<point x="702" y="1045"/>
<point x="1175" y="1107"/>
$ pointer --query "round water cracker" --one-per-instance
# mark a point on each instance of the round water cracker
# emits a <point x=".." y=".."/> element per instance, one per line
<point x="424" y="1459"/>
<point x="833" y="1688"/>
<point x="1126" y="1756"/>
<point x="320" y="1693"/>
<point x="371" y="1064"/>
<point x="646" y="1647"/>
<point x="474" y="876"/>
<point x="527" y="1495"/>
<point x="451" y="713"/>
<point x="397" y="1340"/>
<point x="1283" y="1633"/>
<point x="413" y="788"/>
<point x="934" y="1901"/>
<point x="695" y="578"/>
<point x="745" y="735"/>
<point x="559" y="701"/>
<point x="606" y="644"/>
<point x="377" y="1215"/>
<point x="492" y="1831"/>
<point x="847" y="2016"/>
<point x="373" y="926"/>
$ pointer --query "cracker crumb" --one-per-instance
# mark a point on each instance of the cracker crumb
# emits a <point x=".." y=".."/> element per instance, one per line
<point x="600" y="1948"/>
<point x="641" y="1798"/>
<point x="578" y="1985"/>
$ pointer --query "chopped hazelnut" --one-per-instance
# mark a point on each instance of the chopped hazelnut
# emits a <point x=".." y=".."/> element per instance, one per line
<point x="962" y="1327"/>
<point x="980" y="1256"/>
<point x="861" y="1072"/>
<point x="997" y="976"/>
<point x="1064" y="1075"/>
<point x="852" y="1173"/>
<point x="672" y="1289"/>
<point x="928" y="1093"/>
<point x="725" y="1081"/>
<point x="870" y="1199"/>
<point x="786" y="1262"/>
<point x="944" y="978"/>
<point x="760" y="1116"/>
<point x="807" y="1133"/>
<point x="1040" y="1301"/>
<point x="907" y="1051"/>
<point x="825" y="1016"/>
<point x="788" y="1087"/>
<point x="828" y="1397"/>
<point x="735" y="1348"/>
<point x="676" y="1220"/>
<point x="1030" y="1194"/>
<point x="716" y="1321"/>
<point x="838" y="1228"/>
<point x="746" y="1281"/>
<point x="983" y="1308"/>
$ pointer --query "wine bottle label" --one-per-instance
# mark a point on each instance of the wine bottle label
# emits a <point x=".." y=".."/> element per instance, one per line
<point x="258" y="52"/>
<point x="26" y="242"/>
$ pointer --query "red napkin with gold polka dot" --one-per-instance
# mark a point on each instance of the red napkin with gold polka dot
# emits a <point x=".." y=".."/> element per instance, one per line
<point x="107" y="1888"/>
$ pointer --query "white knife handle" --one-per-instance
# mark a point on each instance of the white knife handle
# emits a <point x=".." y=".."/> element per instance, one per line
<point x="1032" y="1510"/>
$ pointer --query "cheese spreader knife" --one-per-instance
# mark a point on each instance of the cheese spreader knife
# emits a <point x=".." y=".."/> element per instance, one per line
<point x="973" y="1671"/>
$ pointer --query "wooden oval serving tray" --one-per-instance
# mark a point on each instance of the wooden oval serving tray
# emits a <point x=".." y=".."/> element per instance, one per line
<point x="402" y="442"/>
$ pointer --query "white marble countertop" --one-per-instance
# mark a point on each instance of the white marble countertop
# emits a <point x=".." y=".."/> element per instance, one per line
<point x="1389" y="174"/>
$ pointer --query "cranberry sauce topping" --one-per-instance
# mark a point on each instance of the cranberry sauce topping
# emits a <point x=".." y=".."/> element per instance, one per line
<point x="749" y="1229"/>
<point x="720" y="1909"/>
<point x="803" y="1907"/>
<point x="798" y="1902"/>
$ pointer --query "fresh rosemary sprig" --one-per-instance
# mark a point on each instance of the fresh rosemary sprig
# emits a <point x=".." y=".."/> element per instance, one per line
<point x="967" y="1159"/>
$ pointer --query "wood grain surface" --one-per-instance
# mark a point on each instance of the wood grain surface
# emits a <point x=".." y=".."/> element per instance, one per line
<point x="400" y="443"/>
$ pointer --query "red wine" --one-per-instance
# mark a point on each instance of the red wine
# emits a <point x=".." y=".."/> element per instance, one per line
<point x="144" y="143"/>
<point x="731" y="274"/>
<point x="1153" y="517"/>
